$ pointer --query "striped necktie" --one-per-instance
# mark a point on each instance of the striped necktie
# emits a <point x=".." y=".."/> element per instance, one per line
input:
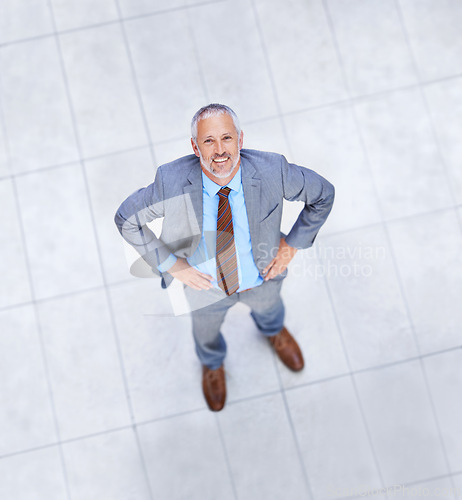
<point x="227" y="276"/>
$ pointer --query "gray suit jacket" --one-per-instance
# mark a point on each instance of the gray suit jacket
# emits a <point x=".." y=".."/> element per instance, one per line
<point x="176" y="195"/>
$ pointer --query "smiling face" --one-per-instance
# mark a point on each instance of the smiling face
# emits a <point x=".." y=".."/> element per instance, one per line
<point x="218" y="146"/>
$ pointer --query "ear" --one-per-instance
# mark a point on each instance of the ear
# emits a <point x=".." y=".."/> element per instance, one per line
<point x="195" y="148"/>
<point x="241" y="140"/>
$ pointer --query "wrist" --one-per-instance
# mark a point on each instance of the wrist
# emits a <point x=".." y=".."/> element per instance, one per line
<point x="179" y="265"/>
<point x="287" y="249"/>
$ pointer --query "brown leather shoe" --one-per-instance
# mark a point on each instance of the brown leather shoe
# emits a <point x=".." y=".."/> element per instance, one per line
<point x="214" y="387"/>
<point x="288" y="350"/>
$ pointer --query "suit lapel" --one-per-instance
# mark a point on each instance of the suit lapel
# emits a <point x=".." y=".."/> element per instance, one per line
<point x="194" y="206"/>
<point x="252" y="195"/>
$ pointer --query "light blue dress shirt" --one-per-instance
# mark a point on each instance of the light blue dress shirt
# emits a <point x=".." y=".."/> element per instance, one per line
<point x="203" y="258"/>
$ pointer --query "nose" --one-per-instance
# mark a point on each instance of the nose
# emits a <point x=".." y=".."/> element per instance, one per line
<point x="219" y="148"/>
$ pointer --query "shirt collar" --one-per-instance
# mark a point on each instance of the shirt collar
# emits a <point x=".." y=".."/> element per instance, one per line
<point x="212" y="188"/>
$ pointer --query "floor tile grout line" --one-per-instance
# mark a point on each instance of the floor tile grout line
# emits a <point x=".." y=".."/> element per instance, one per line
<point x="293" y="430"/>
<point x="355" y="98"/>
<point x="79" y="149"/>
<point x="384" y="366"/>
<point x="233" y="402"/>
<point x="101" y="433"/>
<point x="152" y="144"/>
<point x="252" y="397"/>
<point x="63" y="442"/>
<point x="98" y="246"/>
<point x="395" y="264"/>
<point x="269" y="69"/>
<point x="142" y="110"/>
<point x="374" y="368"/>
<point x="38" y="326"/>
<point x="413" y="483"/>
<point x="38" y="170"/>
<point x="433" y="478"/>
<point x="106" y="23"/>
<point x="67" y="295"/>
<point x="137" y="424"/>
<point x="180" y="8"/>
<point x="46" y="168"/>
<point x="434" y="81"/>
<point x="128" y="427"/>
<point x="385" y="225"/>
<point x="41" y="340"/>
<point x="391" y="221"/>
<point x="226" y="455"/>
<point x="428" y="111"/>
<point x="170" y="416"/>
<point x="136" y="83"/>
<point x="197" y="58"/>
<point x="400" y="281"/>
<point x="333" y="34"/>
<point x="129" y="282"/>
<point x="352" y="376"/>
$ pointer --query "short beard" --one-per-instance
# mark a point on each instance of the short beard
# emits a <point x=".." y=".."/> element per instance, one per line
<point x="219" y="175"/>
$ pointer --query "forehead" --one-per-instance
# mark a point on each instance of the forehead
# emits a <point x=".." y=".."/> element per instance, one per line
<point x="215" y="125"/>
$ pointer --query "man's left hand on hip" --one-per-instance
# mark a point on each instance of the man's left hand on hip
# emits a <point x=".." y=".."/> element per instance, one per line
<point x="281" y="261"/>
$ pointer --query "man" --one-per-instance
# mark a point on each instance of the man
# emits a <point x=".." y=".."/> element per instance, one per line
<point x="221" y="236"/>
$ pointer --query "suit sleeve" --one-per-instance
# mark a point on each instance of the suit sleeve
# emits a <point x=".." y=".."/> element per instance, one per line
<point x="136" y="211"/>
<point x="303" y="184"/>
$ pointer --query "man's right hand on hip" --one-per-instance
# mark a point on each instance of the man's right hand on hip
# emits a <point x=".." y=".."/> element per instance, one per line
<point x="190" y="276"/>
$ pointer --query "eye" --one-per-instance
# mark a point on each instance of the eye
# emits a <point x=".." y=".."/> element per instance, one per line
<point x="207" y="141"/>
<point x="228" y="137"/>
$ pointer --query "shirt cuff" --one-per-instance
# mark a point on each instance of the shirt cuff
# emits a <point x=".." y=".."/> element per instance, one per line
<point x="167" y="264"/>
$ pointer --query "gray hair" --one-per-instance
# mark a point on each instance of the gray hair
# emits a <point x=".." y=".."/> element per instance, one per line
<point x="212" y="110"/>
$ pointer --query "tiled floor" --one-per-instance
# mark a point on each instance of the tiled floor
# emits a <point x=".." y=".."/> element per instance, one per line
<point x="99" y="383"/>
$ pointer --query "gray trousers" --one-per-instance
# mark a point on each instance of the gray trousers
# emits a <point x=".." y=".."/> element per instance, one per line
<point x="209" y="308"/>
